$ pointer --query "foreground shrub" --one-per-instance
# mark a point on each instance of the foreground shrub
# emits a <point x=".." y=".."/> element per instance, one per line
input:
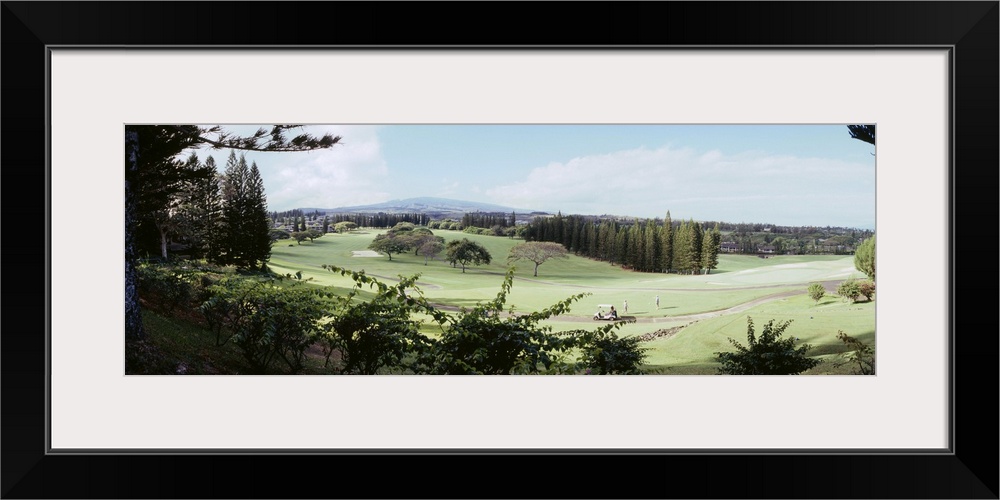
<point x="266" y="322"/>
<point x="861" y="356"/>
<point x="604" y="353"/>
<point x="165" y="287"/>
<point x="379" y="333"/>
<point x="768" y="354"/>
<point x="375" y="334"/>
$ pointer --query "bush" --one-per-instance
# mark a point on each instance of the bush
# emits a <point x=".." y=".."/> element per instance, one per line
<point x="816" y="291"/>
<point x="768" y="354"/>
<point x="484" y="340"/>
<point x="862" y="355"/>
<point x="375" y="334"/>
<point x="849" y="289"/>
<point x="867" y="289"/>
<point x="266" y="322"/>
<point x="165" y="287"/>
<point x="604" y="353"/>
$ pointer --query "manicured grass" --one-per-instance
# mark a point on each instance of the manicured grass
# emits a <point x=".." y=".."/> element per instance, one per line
<point x="560" y="279"/>
<point x="692" y="350"/>
<point x="738" y="280"/>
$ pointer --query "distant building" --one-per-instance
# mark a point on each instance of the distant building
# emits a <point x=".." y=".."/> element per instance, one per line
<point x="729" y="247"/>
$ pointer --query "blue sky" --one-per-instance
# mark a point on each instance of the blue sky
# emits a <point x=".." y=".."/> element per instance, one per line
<point x="778" y="174"/>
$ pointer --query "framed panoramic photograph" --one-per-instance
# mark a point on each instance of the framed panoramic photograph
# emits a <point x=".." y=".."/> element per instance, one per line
<point x="327" y="245"/>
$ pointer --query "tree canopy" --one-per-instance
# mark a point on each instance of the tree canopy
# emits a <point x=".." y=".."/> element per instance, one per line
<point x="466" y="253"/>
<point x="537" y="252"/>
<point x="864" y="133"/>
<point x="864" y="258"/>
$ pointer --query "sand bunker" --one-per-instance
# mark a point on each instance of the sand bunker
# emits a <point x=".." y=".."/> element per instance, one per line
<point x="365" y="253"/>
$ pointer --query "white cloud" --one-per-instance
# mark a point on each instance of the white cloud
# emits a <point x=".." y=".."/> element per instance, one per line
<point x="350" y="173"/>
<point x="748" y="186"/>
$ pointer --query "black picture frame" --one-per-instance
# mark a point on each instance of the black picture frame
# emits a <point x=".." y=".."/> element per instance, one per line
<point x="969" y="28"/>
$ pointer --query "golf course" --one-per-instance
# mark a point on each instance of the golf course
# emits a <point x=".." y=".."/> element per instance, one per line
<point x="695" y="318"/>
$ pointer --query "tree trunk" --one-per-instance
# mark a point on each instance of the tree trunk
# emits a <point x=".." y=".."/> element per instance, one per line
<point x="163" y="242"/>
<point x="536" y="269"/>
<point x="133" y="314"/>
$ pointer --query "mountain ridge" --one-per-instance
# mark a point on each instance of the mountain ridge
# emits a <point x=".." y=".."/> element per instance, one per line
<point x="423" y="204"/>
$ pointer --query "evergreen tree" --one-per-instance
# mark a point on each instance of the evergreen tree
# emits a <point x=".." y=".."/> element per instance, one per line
<point x="667" y="241"/>
<point x="710" y="249"/>
<point x="682" y="248"/>
<point x="637" y="246"/>
<point x="199" y="212"/>
<point x="653" y="247"/>
<point x="234" y="199"/>
<point x="257" y="223"/>
<point x="245" y="240"/>
<point x="622" y="245"/>
<point x="697" y="235"/>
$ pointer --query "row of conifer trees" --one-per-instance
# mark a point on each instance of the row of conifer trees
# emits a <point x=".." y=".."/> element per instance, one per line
<point x="650" y="245"/>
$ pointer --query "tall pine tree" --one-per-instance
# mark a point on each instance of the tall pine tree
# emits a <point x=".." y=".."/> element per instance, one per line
<point x="258" y="224"/>
<point x="710" y="249"/>
<point x="199" y="212"/>
<point x="667" y="241"/>
<point x="245" y="242"/>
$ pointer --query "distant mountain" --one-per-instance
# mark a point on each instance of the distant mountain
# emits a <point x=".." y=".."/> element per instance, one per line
<point x="428" y="205"/>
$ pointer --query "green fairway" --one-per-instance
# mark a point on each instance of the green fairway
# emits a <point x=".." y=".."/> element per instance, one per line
<point x="709" y="307"/>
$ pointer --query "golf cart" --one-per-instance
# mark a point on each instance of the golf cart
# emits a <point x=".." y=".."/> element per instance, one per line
<point x="600" y="315"/>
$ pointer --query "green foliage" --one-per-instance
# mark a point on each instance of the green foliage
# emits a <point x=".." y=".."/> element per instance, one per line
<point x="380" y="333"/>
<point x="866" y="288"/>
<point x="402" y="227"/>
<point x="245" y="239"/>
<point x="849" y="289"/>
<point x="768" y="354"/>
<point x="312" y="234"/>
<point x="864" y="133"/>
<point x="711" y="243"/>
<point x="377" y="333"/>
<point x="166" y="287"/>
<point x="864" y="258"/>
<point x="816" y="291"/>
<point x="279" y="234"/>
<point x="466" y="252"/>
<point x="345" y="226"/>
<point x="537" y="252"/>
<point x="269" y="323"/>
<point x="390" y="243"/>
<point x="431" y="248"/>
<point x="861" y="355"/>
<point x="604" y="353"/>
<point x="486" y="341"/>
